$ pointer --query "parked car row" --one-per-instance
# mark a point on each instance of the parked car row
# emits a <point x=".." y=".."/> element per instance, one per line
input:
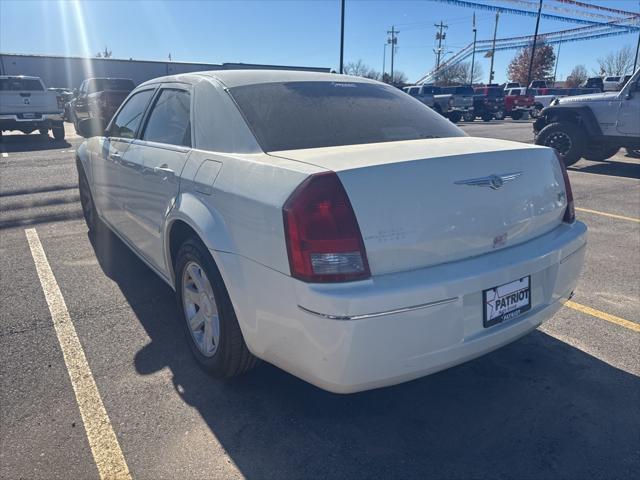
<point x="26" y="105"/>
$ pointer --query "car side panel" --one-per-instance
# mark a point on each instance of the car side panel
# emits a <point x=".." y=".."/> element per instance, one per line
<point x="242" y="212"/>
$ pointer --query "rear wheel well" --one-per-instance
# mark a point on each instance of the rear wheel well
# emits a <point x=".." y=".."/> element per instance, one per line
<point x="180" y="232"/>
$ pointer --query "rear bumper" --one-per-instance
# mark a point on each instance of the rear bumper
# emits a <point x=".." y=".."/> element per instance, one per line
<point x="392" y="328"/>
<point x="44" y="120"/>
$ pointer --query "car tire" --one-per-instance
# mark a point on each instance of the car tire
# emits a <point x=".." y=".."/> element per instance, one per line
<point x="58" y="133"/>
<point x="455" y="117"/>
<point x="516" y="115"/>
<point x="535" y="111"/>
<point x="487" y="116"/>
<point x="469" y="116"/>
<point x="44" y="132"/>
<point x="499" y="115"/>
<point x="568" y="140"/>
<point x="600" y="153"/>
<point x="222" y="351"/>
<point x="86" y="201"/>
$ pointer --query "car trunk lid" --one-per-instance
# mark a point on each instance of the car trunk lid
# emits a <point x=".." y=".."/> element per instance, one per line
<point x="425" y="202"/>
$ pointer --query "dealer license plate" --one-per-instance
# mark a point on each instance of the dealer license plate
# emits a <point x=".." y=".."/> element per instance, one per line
<point x="507" y="301"/>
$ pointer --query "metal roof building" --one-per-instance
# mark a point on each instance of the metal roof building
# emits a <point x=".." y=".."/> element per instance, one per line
<point x="69" y="72"/>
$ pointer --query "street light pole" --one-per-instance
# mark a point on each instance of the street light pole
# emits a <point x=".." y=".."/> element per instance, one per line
<point x="473" y="55"/>
<point x="555" y="70"/>
<point x="342" y="36"/>
<point x="635" y="62"/>
<point x="533" y="49"/>
<point x="384" y="60"/>
<point x="493" y="47"/>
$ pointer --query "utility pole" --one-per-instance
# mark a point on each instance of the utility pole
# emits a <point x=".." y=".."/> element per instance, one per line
<point x="473" y="55"/>
<point x="342" y="36"/>
<point x="533" y="50"/>
<point x="393" y="41"/>
<point x="440" y="35"/>
<point x="493" y="47"/>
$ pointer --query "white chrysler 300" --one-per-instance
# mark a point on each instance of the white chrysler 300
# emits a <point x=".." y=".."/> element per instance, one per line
<point x="331" y="225"/>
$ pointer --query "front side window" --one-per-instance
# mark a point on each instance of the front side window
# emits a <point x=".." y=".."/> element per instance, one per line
<point x="169" y="120"/>
<point x="296" y="115"/>
<point x="126" y="123"/>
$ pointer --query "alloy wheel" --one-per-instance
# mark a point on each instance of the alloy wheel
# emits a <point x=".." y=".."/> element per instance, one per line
<point x="560" y="141"/>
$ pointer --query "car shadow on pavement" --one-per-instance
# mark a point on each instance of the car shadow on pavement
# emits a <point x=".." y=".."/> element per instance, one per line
<point x="537" y="408"/>
<point x="610" y="167"/>
<point x="30" y="143"/>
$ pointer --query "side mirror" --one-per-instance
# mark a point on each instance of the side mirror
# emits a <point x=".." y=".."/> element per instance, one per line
<point x="91" y="127"/>
<point x="633" y="88"/>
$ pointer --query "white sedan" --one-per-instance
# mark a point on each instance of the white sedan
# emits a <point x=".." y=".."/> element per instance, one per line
<point x="331" y="225"/>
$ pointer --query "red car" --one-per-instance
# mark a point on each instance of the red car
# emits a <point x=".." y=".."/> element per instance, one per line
<point x="517" y="101"/>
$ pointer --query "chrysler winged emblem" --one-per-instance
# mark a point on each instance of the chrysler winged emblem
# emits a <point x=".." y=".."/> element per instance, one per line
<point x="494" y="182"/>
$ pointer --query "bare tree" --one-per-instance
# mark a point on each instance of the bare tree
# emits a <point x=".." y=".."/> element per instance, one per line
<point x="106" y="53"/>
<point x="361" y="69"/>
<point x="459" y="74"/>
<point x="399" y="78"/>
<point x="616" y="63"/>
<point x="577" y="76"/>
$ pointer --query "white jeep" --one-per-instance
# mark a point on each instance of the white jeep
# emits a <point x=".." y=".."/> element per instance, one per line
<point x="26" y="105"/>
<point x="592" y="126"/>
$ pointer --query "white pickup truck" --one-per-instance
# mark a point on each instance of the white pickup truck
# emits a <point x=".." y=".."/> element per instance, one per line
<point x="26" y="105"/>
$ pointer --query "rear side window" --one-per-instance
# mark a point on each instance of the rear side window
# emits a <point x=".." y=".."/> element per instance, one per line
<point x="126" y="123"/>
<point x="296" y="115"/>
<point x="169" y="120"/>
<point x="21" y="85"/>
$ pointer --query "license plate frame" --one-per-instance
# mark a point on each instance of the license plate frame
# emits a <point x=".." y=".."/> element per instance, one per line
<point x="499" y="305"/>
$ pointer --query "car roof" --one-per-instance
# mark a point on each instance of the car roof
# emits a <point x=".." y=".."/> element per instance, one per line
<point x="239" y="78"/>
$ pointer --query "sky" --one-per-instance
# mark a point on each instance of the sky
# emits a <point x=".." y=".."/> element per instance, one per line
<point x="289" y="32"/>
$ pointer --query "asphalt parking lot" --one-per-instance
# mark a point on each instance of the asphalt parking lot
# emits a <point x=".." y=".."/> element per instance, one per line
<point x="562" y="402"/>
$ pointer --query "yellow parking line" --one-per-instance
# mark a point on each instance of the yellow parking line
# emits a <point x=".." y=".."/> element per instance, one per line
<point x="604" y="214"/>
<point x="603" y="316"/>
<point x="102" y="439"/>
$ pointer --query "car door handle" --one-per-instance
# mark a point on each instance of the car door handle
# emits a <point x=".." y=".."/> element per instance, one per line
<point x="116" y="157"/>
<point x="164" y="170"/>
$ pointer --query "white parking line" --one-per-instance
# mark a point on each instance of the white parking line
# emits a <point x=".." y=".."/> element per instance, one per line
<point x="102" y="439"/>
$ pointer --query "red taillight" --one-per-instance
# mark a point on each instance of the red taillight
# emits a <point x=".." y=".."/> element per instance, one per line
<point x="323" y="237"/>
<point x="570" y="212"/>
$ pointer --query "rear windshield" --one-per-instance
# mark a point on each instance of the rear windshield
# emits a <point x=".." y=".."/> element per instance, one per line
<point x="492" y="92"/>
<point x="295" y="115"/>
<point x="20" y="84"/>
<point x="431" y="90"/>
<point x="458" y="90"/>
<point x="101" y="84"/>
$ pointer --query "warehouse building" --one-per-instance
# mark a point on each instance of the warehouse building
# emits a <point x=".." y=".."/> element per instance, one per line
<point x="69" y="72"/>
